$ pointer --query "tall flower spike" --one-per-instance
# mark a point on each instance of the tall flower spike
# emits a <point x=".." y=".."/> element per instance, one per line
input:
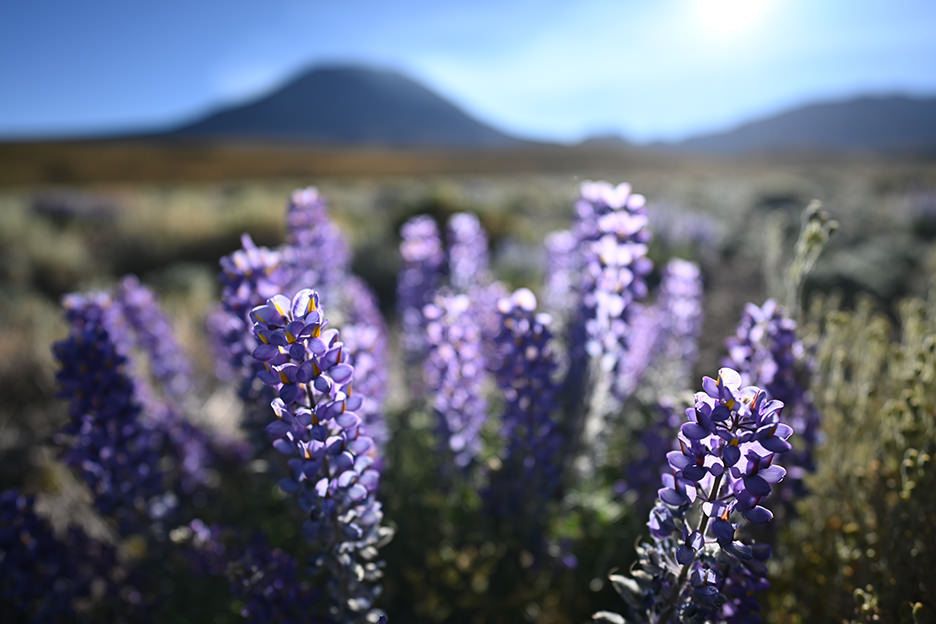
<point x="366" y="345"/>
<point x="454" y="372"/>
<point x="468" y="251"/>
<point x="664" y="337"/>
<point x="316" y="251"/>
<point x="419" y="280"/>
<point x="611" y="230"/>
<point x="562" y="265"/>
<point x="106" y="441"/>
<point x="249" y="276"/>
<point x="766" y="351"/>
<point x="698" y="568"/>
<point x="331" y="467"/>
<point x="525" y="373"/>
<point x="153" y="335"/>
<point x="141" y="333"/>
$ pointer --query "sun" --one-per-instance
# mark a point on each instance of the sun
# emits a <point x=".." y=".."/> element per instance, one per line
<point x="726" y="18"/>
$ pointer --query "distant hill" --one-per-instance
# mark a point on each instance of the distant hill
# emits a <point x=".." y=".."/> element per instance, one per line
<point x="892" y="123"/>
<point x="350" y="106"/>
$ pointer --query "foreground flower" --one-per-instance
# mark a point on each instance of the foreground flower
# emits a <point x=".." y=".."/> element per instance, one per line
<point x="699" y="567"/>
<point x="330" y="458"/>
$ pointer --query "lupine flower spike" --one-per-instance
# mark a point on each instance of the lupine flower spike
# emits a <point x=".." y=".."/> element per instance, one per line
<point x="699" y="566"/>
<point x="317" y="428"/>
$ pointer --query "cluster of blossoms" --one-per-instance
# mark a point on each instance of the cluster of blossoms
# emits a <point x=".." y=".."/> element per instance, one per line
<point x="106" y="440"/>
<point x="140" y="332"/>
<point x="331" y="459"/>
<point x="366" y="345"/>
<point x="561" y="272"/>
<point x="420" y="279"/>
<point x="612" y="236"/>
<point x="525" y="372"/>
<point x="454" y="373"/>
<point x="248" y="277"/>
<point x="680" y="303"/>
<point x="467" y="251"/>
<point x="697" y="568"/>
<point x="767" y="353"/>
<point x="316" y="252"/>
<point x="658" y="363"/>
<point x="152" y="334"/>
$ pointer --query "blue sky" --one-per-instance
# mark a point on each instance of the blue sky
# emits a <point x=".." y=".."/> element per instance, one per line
<point x="646" y="69"/>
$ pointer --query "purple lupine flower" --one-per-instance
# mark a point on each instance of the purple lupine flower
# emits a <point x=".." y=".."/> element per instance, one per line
<point x="106" y="440"/>
<point x="484" y="308"/>
<point x="140" y="331"/>
<point x="643" y="347"/>
<point x="722" y="473"/>
<point x="316" y="251"/>
<point x="525" y="372"/>
<point x="153" y="335"/>
<point x="467" y="251"/>
<point x="454" y="372"/>
<point x="249" y="276"/>
<point x="766" y="351"/>
<point x="681" y="302"/>
<point x="330" y="460"/>
<point x="663" y="343"/>
<point x="419" y="279"/>
<point x="615" y="266"/>
<point x="366" y="345"/>
<point x="612" y="235"/>
<point x="562" y="270"/>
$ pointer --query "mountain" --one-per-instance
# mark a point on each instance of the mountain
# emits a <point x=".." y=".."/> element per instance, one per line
<point x="884" y="123"/>
<point x="350" y="106"/>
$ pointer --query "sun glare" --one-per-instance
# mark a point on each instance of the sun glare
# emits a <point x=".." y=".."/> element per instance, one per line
<point x="725" y="18"/>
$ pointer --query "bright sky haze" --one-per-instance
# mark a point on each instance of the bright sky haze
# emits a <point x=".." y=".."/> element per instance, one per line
<point x="645" y="69"/>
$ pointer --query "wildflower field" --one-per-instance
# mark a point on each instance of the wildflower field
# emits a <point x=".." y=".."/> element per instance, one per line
<point x="703" y="396"/>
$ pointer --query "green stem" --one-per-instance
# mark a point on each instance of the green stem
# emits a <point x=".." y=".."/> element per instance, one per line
<point x="703" y="525"/>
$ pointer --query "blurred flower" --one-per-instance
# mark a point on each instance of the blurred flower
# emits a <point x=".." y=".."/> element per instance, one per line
<point x="153" y="335"/>
<point x="767" y="353"/>
<point x="417" y="284"/>
<point x="525" y="373"/>
<point x="316" y="254"/>
<point x="106" y="440"/>
<point x="467" y="251"/>
<point x="454" y="371"/>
